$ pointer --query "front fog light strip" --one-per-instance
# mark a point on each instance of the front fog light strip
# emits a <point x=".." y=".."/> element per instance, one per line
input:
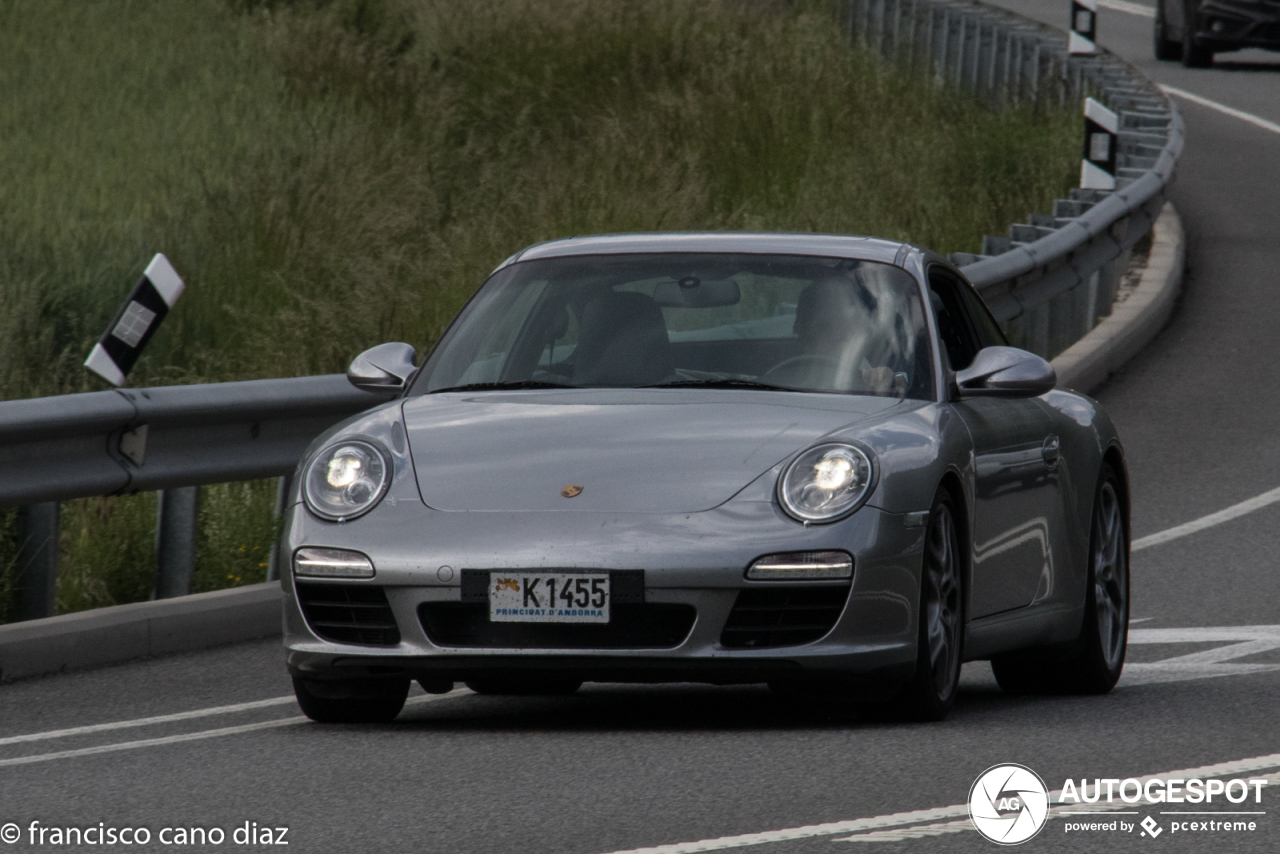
<point x="801" y="565"/>
<point x="331" y="563"/>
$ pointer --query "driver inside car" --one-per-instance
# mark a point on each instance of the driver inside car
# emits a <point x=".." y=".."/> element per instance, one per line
<point x="835" y="322"/>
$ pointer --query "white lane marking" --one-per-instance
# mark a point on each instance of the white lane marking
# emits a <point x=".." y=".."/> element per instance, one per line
<point x="1223" y="108"/>
<point x="150" y="742"/>
<point x="157" y="719"/>
<point x="1241" y="641"/>
<point x="919" y="831"/>
<point x="1235" y="511"/>
<point x="922" y="831"/>
<point x="195" y="736"/>
<point x="1125" y="6"/>
<point x="724" y="843"/>
<point x="1206" y="634"/>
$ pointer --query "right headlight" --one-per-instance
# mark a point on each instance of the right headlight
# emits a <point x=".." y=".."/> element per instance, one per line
<point x="346" y="480"/>
<point x="827" y="482"/>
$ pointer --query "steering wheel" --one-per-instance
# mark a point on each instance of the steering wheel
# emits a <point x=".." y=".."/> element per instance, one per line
<point x="798" y="365"/>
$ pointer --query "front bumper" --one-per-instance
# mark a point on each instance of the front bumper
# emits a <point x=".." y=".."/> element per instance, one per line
<point x="696" y="561"/>
<point x="1222" y="25"/>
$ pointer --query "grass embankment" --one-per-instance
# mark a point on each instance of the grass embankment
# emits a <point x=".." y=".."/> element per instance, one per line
<point x="330" y="175"/>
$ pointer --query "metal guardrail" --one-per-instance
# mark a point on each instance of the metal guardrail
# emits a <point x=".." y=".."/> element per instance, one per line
<point x="1051" y="279"/>
<point x="1048" y="281"/>
<point x="172" y="439"/>
<point x="130" y="440"/>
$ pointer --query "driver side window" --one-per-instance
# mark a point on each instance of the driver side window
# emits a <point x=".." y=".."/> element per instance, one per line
<point x="955" y="331"/>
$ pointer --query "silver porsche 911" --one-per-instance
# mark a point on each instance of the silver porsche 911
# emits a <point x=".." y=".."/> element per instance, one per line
<point x="801" y="460"/>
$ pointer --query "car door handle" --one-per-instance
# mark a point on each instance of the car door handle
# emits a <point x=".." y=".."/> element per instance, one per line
<point x="1050" y="450"/>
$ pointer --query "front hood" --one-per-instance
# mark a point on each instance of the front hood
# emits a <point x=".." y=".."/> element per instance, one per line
<point x="631" y="450"/>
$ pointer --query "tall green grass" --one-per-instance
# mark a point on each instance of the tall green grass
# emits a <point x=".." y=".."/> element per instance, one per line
<point x="331" y="175"/>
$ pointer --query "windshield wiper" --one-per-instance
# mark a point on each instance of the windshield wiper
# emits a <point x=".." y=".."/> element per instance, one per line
<point x="512" y="384"/>
<point x="725" y="382"/>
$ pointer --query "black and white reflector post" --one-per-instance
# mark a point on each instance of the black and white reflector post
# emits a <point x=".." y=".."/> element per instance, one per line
<point x="118" y="349"/>
<point x="1084" y="27"/>
<point x="1101" y="133"/>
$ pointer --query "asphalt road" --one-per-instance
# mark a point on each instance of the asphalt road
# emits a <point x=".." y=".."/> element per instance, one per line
<point x="620" y="768"/>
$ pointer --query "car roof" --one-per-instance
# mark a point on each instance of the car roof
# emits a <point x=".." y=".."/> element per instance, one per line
<point x="758" y="243"/>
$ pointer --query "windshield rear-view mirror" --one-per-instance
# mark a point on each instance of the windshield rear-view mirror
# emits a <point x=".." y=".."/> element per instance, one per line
<point x="692" y="292"/>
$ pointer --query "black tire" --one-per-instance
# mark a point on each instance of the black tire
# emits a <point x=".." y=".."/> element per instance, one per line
<point x="524" y="686"/>
<point x="1193" y="54"/>
<point x="351" y="702"/>
<point x="1093" y="662"/>
<point x="932" y="690"/>
<point x="1166" y="49"/>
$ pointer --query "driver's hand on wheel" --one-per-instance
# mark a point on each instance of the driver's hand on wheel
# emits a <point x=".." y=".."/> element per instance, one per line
<point x="878" y="379"/>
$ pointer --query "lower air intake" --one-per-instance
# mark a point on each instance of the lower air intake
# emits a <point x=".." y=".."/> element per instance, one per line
<point x="648" y="625"/>
<point x="349" y="613"/>
<point x="782" y="616"/>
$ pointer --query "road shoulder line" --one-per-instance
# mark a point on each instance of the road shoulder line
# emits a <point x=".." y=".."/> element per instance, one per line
<point x="1256" y="121"/>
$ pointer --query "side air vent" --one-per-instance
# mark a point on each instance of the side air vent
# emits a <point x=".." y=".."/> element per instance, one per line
<point x="349" y="613"/>
<point x="782" y="616"/>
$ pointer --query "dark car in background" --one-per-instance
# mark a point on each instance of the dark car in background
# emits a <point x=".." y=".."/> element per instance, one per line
<point x="1194" y="31"/>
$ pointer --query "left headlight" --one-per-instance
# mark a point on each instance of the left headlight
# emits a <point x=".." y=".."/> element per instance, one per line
<point x="827" y="482"/>
<point x="346" y="480"/>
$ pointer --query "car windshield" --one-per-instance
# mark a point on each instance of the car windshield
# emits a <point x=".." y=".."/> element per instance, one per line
<point x="778" y="322"/>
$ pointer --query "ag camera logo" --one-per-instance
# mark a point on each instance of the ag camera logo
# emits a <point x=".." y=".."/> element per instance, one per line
<point x="1008" y="804"/>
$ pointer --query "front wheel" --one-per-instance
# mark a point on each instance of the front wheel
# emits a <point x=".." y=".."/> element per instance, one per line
<point x="1093" y="663"/>
<point x="356" y="701"/>
<point x="1165" y="47"/>
<point x="932" y="690"/>
<point x="1193" y="54"/>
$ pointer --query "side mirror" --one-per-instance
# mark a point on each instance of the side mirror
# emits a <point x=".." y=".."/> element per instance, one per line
<point x="1006" y="372"/>
<point x="386" y="367"/>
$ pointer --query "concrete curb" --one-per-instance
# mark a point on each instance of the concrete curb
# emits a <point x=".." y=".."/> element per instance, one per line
<point x="124" y="632"/>
<point x="1132" y="324"/>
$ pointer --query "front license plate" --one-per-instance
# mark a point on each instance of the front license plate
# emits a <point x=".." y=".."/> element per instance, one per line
<point x="551" y="597"/>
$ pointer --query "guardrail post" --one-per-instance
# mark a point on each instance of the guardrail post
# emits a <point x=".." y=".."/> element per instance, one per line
<point x="1091" y="304"/>
<point x="1013" y="70"/>
<point x="1062" y="322"/>
<point x="176" y="513"/>
<point x="1109" y="282"/>
<point x="1037" y="330"/>
<point x="37" y="577"/>
<point x="1035" y="72"/>
<point x="282" y="498"/>
<point x="926" y="49"/>
<point x="944" y="43"/>
<point x="912" y="34"/>
<point x="892" y="30"/>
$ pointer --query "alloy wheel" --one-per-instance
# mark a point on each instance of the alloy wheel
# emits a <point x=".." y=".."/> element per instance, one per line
<point x="942" y="599"/>
<point x="1110" y="575"/>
